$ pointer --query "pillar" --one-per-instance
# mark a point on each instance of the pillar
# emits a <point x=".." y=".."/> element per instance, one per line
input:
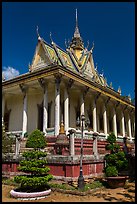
<point x="82" y="105"/>
<point x="114" y="122"/>
<point x="24" y="125"/>
<point x="123" y="125"/>
<point x="45" y="108"/>
<point x="57" y="106"/>
<point x="129" y="127"/>
<point x="71" y="142"/>
<point x="66" y="109"/>
<point x="94" y="117"/>
<point x="105" y="120"/>
<point x="95" y="146"/>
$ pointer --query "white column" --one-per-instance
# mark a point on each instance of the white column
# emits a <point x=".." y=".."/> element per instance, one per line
<point x="105" y="120"/>
<point x="45" y="108"/>
<point x="24" y="125"/>
<point x="57" y="106"/>
<point x="72" y="143"/>
<point x="94" y="117"/>
<point x="129" y="127"/>
<point x="114" y="122"/>
<point x="66" y="109"/>
<point x="3" y="105"/>
<point x="82" y="105"/>
<point x="123" y="125"/>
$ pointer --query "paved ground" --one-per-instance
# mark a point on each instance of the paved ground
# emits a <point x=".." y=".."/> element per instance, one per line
<point x="105" y="195"/>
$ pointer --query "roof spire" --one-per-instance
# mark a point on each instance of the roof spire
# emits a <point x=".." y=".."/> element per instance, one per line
<point x="76" y="18"/>
<point x="77" y="42"/>
<point x="76" y="34"/>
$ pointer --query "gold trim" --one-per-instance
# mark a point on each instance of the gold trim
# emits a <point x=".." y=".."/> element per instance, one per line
<point x="94" y="88"/>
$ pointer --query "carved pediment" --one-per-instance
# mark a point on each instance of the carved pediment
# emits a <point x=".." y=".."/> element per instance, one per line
<point x="40" y="58"/>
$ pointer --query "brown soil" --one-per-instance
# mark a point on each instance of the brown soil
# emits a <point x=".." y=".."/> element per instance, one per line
<point x="126" y="194"/>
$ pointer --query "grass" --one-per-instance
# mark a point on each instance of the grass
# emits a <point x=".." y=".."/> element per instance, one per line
<point x="88" y="186"/>
<point x="9" y="181"/>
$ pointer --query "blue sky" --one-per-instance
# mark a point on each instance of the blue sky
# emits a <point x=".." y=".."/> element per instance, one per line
<point x="111" y="25"/>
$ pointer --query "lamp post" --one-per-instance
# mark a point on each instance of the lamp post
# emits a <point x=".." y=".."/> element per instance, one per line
<point x="81" y="183"/>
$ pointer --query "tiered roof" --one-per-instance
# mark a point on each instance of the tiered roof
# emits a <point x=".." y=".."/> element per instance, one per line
<point x="77" y="58"/>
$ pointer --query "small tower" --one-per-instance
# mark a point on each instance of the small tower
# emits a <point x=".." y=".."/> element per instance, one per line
<point x="62" y="142"/>
<point x="77" y="42"/>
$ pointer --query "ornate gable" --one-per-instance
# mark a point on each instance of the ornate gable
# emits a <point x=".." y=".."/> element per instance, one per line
<point x="40" y="59"/>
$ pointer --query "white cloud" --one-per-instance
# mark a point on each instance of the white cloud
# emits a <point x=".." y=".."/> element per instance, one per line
<point x="9" y="72"/>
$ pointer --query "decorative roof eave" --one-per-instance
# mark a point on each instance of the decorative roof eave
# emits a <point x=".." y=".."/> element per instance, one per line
<point x="58" y="54"/>
<point x="71" y="56"/>
<point x="24" y="77"/>
<point x="65" y="72"/>
<point x="84" y="65"/>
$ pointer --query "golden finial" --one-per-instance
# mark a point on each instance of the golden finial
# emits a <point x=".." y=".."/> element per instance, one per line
<point x="62" y="131"/>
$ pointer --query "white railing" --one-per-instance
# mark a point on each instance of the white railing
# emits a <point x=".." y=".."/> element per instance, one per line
<point x="13" y="133"/>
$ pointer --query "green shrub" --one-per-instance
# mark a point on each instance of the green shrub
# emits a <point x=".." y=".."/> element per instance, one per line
<point x="111" y="171"/>
<point x="36" y="140"/>
<point x="35" y="164"/>
<point x="116" y="160"/>
<point x="111" y="138"/>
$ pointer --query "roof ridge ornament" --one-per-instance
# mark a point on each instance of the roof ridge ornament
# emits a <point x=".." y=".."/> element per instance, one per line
<point x="119" y="90"/>
<point x="87" y="44"/>
<point x="92" y="47"/>
<point x="51" y="38"/>
<point x="39" y="38"/>
<point x="66" y="43"/>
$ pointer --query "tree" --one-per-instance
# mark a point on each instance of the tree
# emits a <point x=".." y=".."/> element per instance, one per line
<point x="35" y="164"/>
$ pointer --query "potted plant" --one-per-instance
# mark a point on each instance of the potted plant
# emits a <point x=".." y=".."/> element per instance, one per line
<point x="115" y="163"/>
<point x="34" y="183"/>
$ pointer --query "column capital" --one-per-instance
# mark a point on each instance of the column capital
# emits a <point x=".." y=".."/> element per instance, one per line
<point x="58" y="78"/>
<point x="85" y="92"/>
<point x="23" y="88"/>
<point x="118" y="103"/>
<point x="43" y="82"/>
<point x="124" y="109"/>
<point x="96" y="97"/>
<point x="106" y="102"/>
<point x="115" y="105"/>
<point x="70" y="84"/>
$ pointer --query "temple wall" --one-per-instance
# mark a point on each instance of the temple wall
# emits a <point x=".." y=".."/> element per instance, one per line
<point x="73" y="104"/>
<point x="33" y="100"/>
<point x="15" y="120"/>
<point x="51" y="99"/>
